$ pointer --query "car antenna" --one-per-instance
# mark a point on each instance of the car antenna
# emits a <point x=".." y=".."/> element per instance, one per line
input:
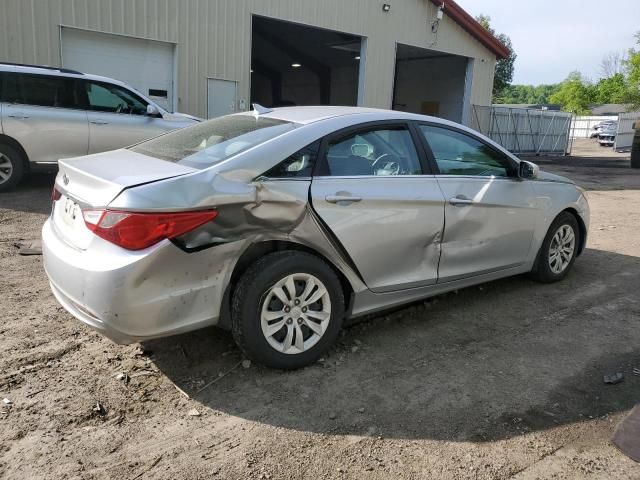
<point x="260" y="110"/>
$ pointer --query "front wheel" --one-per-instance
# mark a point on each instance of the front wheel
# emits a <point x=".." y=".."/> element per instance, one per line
<point x="558" y="250"/>
<point x="287" y="309"/>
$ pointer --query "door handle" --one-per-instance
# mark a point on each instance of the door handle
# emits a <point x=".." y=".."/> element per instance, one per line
<point x="460" y="200"/>
<point x="99" y="122"/>
<point x="341" y="198"/>
<point x="18" y="115"/>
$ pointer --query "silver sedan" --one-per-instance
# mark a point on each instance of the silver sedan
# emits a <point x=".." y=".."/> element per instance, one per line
<point x="280" y="224"/>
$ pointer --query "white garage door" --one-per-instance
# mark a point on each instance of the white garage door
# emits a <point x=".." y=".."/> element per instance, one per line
<point x="146" y="65"/>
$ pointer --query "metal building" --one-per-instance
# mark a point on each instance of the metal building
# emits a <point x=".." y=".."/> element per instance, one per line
<point x="211" y="57"/>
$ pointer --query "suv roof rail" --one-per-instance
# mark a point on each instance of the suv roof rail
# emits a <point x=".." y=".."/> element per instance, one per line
<point x="45" y="67"/>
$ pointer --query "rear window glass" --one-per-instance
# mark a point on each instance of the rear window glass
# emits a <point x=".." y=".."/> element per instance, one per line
<point x="211" y="142"/>
<point x="40" y="90"/>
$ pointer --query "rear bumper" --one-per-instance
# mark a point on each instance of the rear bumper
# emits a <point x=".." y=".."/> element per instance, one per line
<point x="134" y="296"/>
<point x="88" y="318"/>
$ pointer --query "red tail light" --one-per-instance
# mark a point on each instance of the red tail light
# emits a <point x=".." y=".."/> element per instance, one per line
<point x="55" y="194"/>
<point x="135" y="231"/>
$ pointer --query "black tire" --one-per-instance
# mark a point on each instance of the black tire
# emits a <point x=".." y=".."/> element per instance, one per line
<point x="252" y="291"/>
<point x="16" y="169"/>
<point x="542" y="270"/>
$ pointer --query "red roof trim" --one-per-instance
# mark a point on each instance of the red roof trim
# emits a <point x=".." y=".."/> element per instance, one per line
<point x="466" y="21"/>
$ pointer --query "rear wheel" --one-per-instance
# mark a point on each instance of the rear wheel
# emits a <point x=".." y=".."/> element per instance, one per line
<point x="558" y="250"/>
<point x="12" y="167"/>
<point x="287" y="309"/>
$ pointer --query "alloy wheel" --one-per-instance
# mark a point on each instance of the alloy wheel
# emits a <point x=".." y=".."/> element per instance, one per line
<point x="295" y="313"/>
<point x="6" y="168"/>
<point x="561" y="249"/>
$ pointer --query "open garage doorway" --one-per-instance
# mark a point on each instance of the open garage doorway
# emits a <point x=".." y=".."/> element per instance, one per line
<point x="432" y="83"/>
<point x="293" y="64"/>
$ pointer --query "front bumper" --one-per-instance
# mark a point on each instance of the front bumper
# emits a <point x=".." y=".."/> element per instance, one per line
<point x="134" y="296"/>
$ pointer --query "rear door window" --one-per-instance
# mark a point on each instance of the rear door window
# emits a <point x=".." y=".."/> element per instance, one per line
<point x="298" y="165"/>
<point x="40" y="90"/>
<point x="381" y="151"/>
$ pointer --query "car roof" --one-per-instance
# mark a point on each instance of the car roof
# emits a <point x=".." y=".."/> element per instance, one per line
<point x="341" y="117"/>
<point x="310" y="114"/>
<point x="56" y="71"/>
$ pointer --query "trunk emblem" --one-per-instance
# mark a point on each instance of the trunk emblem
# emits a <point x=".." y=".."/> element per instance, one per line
<point x="65" y="179"/>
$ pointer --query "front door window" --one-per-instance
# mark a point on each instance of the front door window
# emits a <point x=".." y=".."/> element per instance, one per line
<point x="456" y="153"/>
<point x="103" y="97"/>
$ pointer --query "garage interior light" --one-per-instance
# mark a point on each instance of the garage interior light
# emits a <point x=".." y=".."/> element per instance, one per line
<point x="296" y="65"/>
<point x="357" y="57"/>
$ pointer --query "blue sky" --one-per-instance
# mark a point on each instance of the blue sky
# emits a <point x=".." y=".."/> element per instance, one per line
<point x="553" y="38"/>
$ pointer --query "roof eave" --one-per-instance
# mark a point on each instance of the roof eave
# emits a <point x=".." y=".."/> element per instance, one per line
<point x="471" y="25"/>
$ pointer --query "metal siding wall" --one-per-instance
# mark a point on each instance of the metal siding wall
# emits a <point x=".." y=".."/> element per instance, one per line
<point x="214" y="36"/>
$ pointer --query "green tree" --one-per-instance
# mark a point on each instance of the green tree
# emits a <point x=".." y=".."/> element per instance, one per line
<point x="528" y="94"/>
<point x="612" y="89"/>
<point x="575" y="94"/>
<point x="632" y="67"/>
<point x="503" y="75"/>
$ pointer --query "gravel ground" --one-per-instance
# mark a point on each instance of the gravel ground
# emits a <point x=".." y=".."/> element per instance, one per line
<point x="498" y="381"/>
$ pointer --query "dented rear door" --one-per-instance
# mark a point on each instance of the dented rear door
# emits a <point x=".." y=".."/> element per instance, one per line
<point x="389" y="222"/>
<point x="391" y="231"/>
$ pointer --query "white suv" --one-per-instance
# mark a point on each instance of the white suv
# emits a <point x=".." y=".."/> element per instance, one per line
<point x="50" y="113"/>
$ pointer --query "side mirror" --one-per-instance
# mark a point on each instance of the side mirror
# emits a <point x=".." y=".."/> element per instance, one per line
<point x="528" y="169"/>
<point x="152" y="110"/>
<point x="361" y="149"/>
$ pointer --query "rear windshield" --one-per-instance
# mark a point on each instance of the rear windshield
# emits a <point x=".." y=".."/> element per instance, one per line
<point x="211" y="142"/>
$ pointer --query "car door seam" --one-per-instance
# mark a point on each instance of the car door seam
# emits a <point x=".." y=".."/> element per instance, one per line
<point x="331" y="238"/>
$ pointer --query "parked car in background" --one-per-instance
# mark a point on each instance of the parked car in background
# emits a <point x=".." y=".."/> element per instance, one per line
<point x="599" y="126"/>
<point x="607" y="134"/>
<point x="51" y="113"/>
<point x="279" y="224"/>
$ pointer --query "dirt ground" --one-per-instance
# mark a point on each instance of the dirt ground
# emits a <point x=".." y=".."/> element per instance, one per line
<point x="498" y="381"/>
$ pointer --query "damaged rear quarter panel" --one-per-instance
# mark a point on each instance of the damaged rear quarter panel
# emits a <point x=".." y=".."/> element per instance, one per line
<point x="248" y="212"/>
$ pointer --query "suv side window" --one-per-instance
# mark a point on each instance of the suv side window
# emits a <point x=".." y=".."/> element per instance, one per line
<point x="384" y="150"/>
<point x="103" y="97"/>
<point x="10" y="92"/>
<point x="456" y="153"/>
<point x="300" y="164"/>
<point x="40" y="90"/>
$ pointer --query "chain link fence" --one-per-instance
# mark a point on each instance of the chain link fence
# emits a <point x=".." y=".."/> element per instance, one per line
<point x="524" y="130"/>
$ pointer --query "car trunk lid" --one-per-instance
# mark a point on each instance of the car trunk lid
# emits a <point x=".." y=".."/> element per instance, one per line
<point x="94" y="181"/>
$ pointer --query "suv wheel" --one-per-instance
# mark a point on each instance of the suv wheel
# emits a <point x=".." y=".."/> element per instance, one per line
<point x="558" y="250"/>
<point x="12" y="167"/>
<point x="287" y="309"/>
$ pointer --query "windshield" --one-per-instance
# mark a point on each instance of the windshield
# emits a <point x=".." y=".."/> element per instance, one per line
<point x="208" y="143"/>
